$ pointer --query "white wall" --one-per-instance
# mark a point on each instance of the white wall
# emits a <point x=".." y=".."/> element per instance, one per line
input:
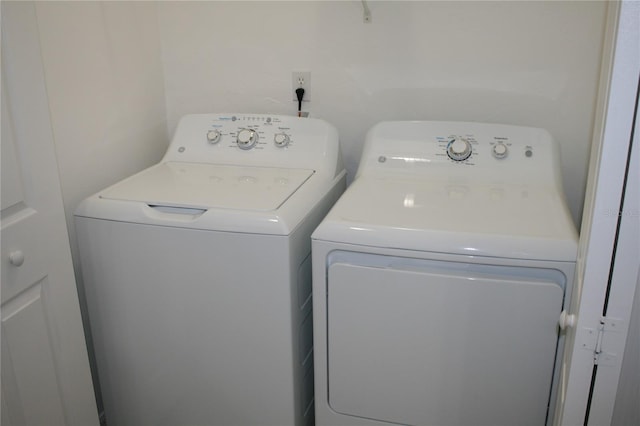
<point x="106" y="93"/>
<point x="526" y="63"/>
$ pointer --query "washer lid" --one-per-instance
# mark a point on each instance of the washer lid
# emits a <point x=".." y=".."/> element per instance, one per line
<point x="498" y="220"/>
<point x="206" y="186"/>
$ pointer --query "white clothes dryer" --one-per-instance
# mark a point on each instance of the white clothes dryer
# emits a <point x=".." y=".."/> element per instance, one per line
<point x="439" y="278"/>
<point x="197" y="273"/>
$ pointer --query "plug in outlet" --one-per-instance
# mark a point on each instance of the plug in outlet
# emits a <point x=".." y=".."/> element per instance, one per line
<point x="301" y="79"/>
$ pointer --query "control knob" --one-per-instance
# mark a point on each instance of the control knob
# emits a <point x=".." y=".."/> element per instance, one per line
<point x="500" y="150"/>
<point x="459" y="149"/>
<point x="246" y="138"/>
<point x="213" y="136"/>
<point x="281" y="140"/>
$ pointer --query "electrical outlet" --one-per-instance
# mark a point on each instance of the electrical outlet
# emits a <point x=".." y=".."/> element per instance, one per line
<point x="301" y="79"/>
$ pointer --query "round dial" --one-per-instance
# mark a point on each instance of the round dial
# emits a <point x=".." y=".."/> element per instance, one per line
<point x="247" y="138"/>
<point x="500" y="150"/>
<point x="459" y="149"/>
<point x="281" y="139"/>
<point x="213" y="136"/>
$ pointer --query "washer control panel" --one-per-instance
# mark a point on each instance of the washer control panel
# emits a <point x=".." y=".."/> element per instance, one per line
<point x="258" y="139"/>
<point x="249" y="131"/>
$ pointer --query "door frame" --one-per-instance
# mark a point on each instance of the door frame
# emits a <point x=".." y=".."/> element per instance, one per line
<point x="608" y="256"/>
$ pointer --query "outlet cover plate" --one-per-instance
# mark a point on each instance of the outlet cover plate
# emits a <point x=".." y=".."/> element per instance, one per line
<point x="301" y="79"/>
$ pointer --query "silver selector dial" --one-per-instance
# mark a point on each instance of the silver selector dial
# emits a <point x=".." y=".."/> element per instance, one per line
<point x="459" y="149"/>
<point x="500" y="150"/>
<point x="213" y="136"/>
<point x="281" y="140"/>
<point x="247" y="138"/>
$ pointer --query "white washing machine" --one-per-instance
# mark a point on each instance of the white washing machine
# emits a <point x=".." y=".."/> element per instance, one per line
<point x="197" y="273"/>
<point x="439" y="278"/>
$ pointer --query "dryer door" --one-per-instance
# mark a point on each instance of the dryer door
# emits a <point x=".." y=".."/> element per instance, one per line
<point x="442" y="343"/>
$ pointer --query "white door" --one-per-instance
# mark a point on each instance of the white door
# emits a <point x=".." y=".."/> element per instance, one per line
<point x="45" y="370"/>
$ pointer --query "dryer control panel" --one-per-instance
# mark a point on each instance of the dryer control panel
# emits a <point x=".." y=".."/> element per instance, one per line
<point x="256" y="139"/>
<point x="461" y="150"/>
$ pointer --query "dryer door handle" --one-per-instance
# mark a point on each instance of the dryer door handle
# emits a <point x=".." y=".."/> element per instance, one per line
<point x="566" y="320"/>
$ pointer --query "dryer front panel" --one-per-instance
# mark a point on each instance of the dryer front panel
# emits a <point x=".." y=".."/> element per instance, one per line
<point x="441" y="343"/>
